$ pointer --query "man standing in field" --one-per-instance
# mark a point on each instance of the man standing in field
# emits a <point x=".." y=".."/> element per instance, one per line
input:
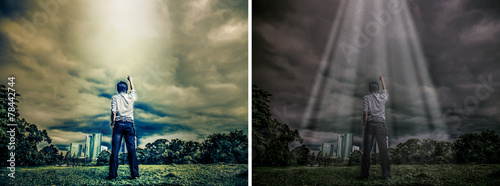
<point x="374" y="127"/>
<point x="122" y="123"/>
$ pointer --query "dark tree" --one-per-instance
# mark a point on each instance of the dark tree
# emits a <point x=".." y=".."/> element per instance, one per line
<point x="182" y="152"/>
<point x="50" y="155"/>
<point x="481" y="147"/>
<point x="427" y="151"/>
<point x="103" y="158"/>
<point x="141" y="156"/>
<point x="192" y="152"/>
<point x="156" y="152"/>
<point x="355" y="158"/>
<point x="220" y="147"/>
<point x="301" y="154"/>
<point x="61" y="159"/>
<point x="27" y="135"/>
<point x="223" y="147"/>
<point x="444" y="153"/>
<point x="270" y="137"/>
<point x="409" y="152"/>
<point x="312" y="159"/>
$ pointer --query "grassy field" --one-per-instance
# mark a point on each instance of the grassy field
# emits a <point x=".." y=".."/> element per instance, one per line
<point x="197" y="174"/>
<point x="451" y="174"/>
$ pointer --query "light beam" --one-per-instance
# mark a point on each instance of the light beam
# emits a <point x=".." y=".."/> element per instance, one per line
<point x="369" y="38"/>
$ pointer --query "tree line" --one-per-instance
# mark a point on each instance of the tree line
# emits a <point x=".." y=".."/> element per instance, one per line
<point x="271" y="140"/>
<point x="229" y="147"/>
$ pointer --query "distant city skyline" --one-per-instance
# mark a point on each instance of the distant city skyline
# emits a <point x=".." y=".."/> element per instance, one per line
<point x="341" y="148"/>
<point x="90" y="149"/>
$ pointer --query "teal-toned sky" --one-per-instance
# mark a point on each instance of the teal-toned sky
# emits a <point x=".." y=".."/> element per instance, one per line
<point x="188" y="59"/>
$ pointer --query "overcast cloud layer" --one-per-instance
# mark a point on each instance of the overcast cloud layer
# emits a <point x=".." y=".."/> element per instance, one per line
<point x="188" y="60"/>
<point x="459" y="41"/>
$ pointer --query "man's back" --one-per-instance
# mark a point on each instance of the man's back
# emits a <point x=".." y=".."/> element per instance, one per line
<point x="123" y="105"/>
<point x="374" y="105"/>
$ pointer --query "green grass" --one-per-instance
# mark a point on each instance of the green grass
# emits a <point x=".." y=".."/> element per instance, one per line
<point x="196" y="174"/>
<point x="450" y="174"/>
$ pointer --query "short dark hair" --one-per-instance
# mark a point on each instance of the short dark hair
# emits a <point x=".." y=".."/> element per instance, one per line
<point x="373" y="87"/>
<point x="121" y="87"/>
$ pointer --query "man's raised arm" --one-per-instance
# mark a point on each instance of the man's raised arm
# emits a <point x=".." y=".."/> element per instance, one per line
<point x="131" y="83"/>
<point x="383" y="83"/>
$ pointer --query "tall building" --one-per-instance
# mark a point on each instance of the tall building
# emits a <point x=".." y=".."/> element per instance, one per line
<point x="327" y="149"/>
<point x="92" y="146"/>
<point x="344" y="145"/>
<point x="340" y="142"/>
<point x="88" y="140"/>
<point x="75" y="149"/>
<point x="347" y="145"/>
<point x="95" y="145"/>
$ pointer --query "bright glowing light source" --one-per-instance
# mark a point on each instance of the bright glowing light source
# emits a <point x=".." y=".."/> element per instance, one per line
<point x="126" y="33"/>
<point x="129" y="18"/>
<point x="369" y="38"/>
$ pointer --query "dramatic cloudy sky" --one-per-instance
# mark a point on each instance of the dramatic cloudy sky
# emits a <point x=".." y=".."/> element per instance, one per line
<point x="440" y="60"/>
<point x="188" y="59"/>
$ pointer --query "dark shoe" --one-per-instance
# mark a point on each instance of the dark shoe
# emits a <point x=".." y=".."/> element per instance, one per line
<point x="110" y="178"/>
<point x="134" y="177"/>
<point x="363" y="178"/>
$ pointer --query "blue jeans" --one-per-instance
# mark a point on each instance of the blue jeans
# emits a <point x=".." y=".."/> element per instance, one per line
<point x="375" y="130"/>
<point x="123" y="129"/>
